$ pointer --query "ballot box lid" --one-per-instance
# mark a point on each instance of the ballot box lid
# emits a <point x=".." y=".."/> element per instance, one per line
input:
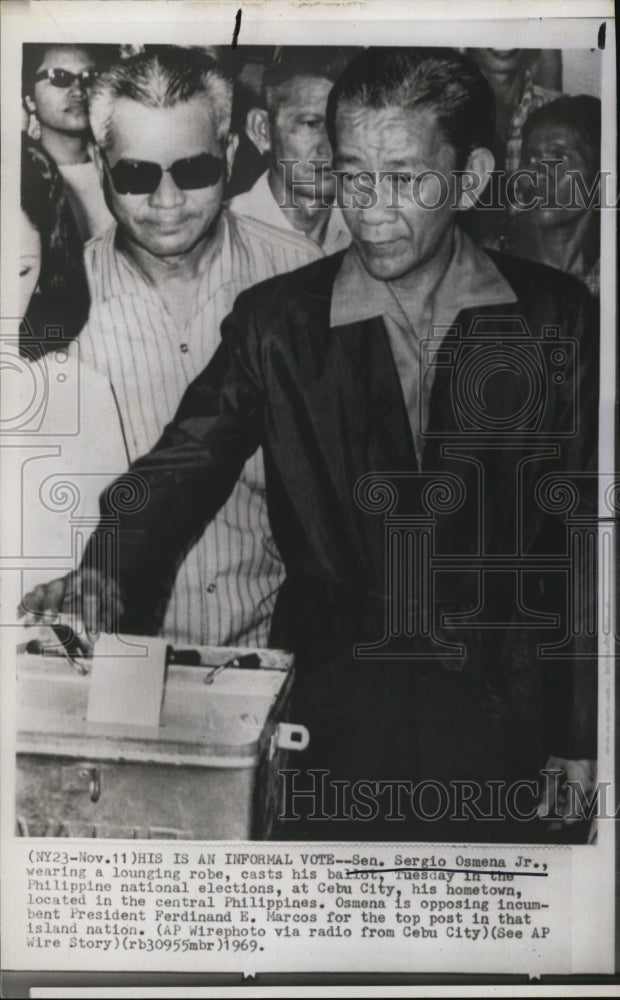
<point x="221" y="724"/>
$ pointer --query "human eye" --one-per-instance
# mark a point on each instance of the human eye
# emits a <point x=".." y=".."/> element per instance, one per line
<point x="554" y="153"/>
<point x="348" y="175"/>
<point x="402" y="176"/>
<point x="532" y="154"/>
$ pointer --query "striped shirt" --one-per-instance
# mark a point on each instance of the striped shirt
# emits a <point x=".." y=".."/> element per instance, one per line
<point x="226" y="588"/>
<point x="532" y="98"/>
<point x="259" y="203"/>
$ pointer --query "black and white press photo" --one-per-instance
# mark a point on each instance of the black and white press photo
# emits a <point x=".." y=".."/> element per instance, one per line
<point x="308" y="432"/>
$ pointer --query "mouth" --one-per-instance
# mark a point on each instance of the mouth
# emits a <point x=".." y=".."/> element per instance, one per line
<point x="169" y="227"/>
<point x="504" y="53"/>
<point x="381" y="248"/>
<point x="504" y="57"/>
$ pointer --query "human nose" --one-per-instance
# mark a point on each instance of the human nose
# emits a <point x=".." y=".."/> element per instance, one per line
<point x="544" y="179"/>
<point x="527" y="178"/>
<point x="78" y="86"/>
<point x="167" y="194"/>
<point x="323" y="146"/>
<point x="379" y="205"/>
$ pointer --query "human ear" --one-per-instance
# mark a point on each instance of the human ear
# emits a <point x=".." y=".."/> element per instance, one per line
<point x="257" y="129"/>
<point x="478" y="168"/>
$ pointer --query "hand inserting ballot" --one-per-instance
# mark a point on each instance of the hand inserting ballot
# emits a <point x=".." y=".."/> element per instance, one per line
<point x="86" y="594"/>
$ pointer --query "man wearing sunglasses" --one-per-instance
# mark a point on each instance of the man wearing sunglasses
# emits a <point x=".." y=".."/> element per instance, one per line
<point x="57" y="80"/>
<point x="162" y="278"/>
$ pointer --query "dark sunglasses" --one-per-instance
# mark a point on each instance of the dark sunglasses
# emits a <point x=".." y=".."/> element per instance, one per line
<point x="143" y="177"/>
<point x="64" y="77"/>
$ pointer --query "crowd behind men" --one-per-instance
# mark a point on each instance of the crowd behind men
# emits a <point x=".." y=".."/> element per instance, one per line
<point x="250" y="479"/>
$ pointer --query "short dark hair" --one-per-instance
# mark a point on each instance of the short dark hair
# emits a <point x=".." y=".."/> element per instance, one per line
<point x="62" y="298"/>
<point x="33" y="55"/>
<point x="443" y="80"/>
<point x="324" y="62"/>
<point x="582" y="114"/>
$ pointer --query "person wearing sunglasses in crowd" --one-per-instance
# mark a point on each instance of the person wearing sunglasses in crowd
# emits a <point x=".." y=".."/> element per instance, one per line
<point x="294" y="193"/>
<point x="56" y="82"/>
<point x="162" y="278"/>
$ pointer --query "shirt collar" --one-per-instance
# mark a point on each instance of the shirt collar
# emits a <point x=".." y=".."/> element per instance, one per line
<point x="265" y="208"/>
<point x="338" y="234"/>
<point x="471" y="279"/>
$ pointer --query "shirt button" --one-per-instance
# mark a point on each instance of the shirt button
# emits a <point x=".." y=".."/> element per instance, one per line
<point x="185" y="348"/>
<point x="210" y="588"/>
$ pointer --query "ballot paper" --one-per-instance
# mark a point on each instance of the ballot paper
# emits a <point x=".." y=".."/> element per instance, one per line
<point x="126" y="688"/>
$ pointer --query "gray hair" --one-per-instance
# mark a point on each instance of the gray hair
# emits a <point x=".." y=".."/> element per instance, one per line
<point x="162" y="79"/>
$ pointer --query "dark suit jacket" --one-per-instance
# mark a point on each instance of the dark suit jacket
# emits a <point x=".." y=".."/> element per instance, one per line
<point x="326" y="406"/>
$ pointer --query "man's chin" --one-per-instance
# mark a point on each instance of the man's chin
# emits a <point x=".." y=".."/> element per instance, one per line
<point x="171" y="249"/>
<point x="385" y="268"/>
<point x="162" y="245"/>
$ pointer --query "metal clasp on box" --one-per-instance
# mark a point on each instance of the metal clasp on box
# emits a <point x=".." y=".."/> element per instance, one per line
<point x="287" y="736"/>
<point x="80" y="778"/>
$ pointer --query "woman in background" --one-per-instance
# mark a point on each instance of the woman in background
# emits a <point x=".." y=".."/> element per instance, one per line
<point x="61" y="415"/>
<point x="56" y="82"/>
<point x="54" y="295"/>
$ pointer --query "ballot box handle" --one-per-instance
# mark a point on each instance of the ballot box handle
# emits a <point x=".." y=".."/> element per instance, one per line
<point x="288" y="736"/>
<point x="94" y="785"/>
<point x="79" y="777"/>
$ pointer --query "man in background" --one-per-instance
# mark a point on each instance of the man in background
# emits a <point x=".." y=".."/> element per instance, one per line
<point x="162" y="278"/>
<point x="296" y="193"/>
<point x="517" y="95"/>
<point x="561" y="145"/>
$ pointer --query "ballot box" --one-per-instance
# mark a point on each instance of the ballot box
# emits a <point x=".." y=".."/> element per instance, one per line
<point x="203" y="766"/>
